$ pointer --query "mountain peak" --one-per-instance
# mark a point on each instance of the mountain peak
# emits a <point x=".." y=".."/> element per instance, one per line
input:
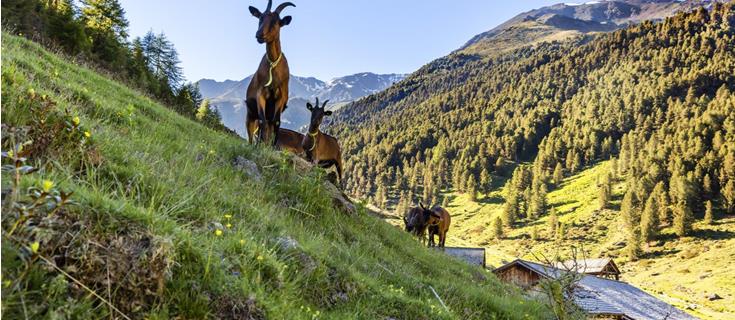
<point x="565" y="20"/>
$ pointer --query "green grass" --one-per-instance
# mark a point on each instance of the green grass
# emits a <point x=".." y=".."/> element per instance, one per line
<point x="679" y="271"/>
<point x="151" y="189"/>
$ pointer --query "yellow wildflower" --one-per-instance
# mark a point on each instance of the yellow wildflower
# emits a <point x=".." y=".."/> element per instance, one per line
<point x="7" y="283"/>
<point x="75" y="121"/>
<point x="227" y="216"/>
<point x="47" y="185"/>
<point x="229" y="225"/>
<point x="87" y="134"/>
<point x="10" y="153"/>
<point x="218" y="232"/>
<point x="260" y="258"/>
<point x="242" y="242"/>
<point x="35" y="246"/>
<point x="211" y="151"/>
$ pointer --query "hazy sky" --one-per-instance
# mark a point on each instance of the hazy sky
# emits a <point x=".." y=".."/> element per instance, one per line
<point x="326" y="39"/>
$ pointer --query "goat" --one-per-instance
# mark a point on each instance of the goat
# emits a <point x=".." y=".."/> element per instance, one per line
<point x="438" y="223"/>
<point x="321" y="149"/>
<point x="415" y="223"/>
<point x="267" y="93"/>
<point x="290" y="140"/>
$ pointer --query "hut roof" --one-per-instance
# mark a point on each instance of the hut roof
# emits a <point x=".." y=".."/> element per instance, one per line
<point x="590" y="266"/>
<point x="599" y="296"/>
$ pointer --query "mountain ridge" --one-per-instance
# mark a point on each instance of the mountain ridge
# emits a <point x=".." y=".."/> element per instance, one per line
<point x="228" y="96"/>
<point x="582" y="18"/>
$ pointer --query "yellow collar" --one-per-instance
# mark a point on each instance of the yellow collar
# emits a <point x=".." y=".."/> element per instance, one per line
<point x="272" y="64"/>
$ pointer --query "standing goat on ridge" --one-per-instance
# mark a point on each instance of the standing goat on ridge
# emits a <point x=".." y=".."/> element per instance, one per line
<point x="321" y="149"/>
<point x="267" y="93"/>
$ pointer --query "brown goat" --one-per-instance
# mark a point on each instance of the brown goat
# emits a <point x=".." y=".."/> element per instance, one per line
<point x="438" y="223"/>
<point x="321" y="149"/>
<point x="268" y="90"/>
<point x="415" y="223"/>
<point x="291" y="141"/>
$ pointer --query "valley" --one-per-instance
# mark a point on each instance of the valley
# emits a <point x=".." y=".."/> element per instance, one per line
<point x="682" y="272"/>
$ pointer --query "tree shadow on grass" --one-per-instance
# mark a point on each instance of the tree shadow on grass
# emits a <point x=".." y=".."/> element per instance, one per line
<point x="491" y="199"/>
<point x="709" y="234"/>
<point x="660" y="253"/>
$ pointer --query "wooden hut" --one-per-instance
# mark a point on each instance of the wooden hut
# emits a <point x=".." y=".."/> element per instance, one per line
<point x="599" y="298"/>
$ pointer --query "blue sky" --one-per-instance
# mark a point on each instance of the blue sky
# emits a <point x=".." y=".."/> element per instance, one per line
<point x="326" y="39"/>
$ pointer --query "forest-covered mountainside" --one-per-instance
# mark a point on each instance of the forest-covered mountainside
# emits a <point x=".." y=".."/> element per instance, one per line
<point x="657" y="96"/>
<point x="115" y="206"/>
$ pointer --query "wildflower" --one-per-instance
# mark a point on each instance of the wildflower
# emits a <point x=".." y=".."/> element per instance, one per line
<point x="211" y="151"/>
<point x="10" y="153"/>
<point x="34" y="246"/>
<point x="228" y="216"/>
<point x="32" y="92"/>
<point x="7" y="283"/>
<point x="260" y="258"/>
<point x="218" y="232"/>
<point x="75" y="121"/>
<point x="87" y="134"/>
<point x="242" y="242"/>
<point x="229" y="225"/>
<point x="47" y="185"/>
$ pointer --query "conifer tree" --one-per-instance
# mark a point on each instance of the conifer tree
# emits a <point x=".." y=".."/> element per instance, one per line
<point x="497" y="228"/>
<point x="472" y="189"/>
<point x="561" y="231"/>
<point x="605" y="193"/>
<point x="709" y="217"/>
<point x="486" y="181"/>
<point x="558" y="174"/>
<point x="538" y="203"/>
<point x="728" y="194"/>
<point x="552" y="223"/>
<point x="682" y="219"/>
<point x="510" y="210"/>
<point x="649" y="220"/>
<point x="633" y="246"/>
<point x="663" y="203"/>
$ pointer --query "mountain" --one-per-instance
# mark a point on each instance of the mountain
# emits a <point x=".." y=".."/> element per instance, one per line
<point x="566" y="20"/>
<point x="229" y="95"/>
<point x="506" y="127"/>
<point x="138" y="212"/>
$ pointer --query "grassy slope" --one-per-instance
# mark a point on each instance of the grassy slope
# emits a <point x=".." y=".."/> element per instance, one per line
<point x="163" y="178"/>
<point x="681" y="271"/>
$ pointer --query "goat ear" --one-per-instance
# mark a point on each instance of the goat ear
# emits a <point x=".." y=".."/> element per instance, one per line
<point x="328" y="113"/>
<point x="422" y="206"/>
<point x="405" y="220"/>
<point x="255" y="12"/>
<point x="285" y="20"/>
<point x="309" y="106"/>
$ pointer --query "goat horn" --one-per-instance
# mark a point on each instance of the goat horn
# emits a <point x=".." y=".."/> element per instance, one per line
<point x="325" y="104"/>
<point x="317" y="102"/>
<point x="270" y="4"/>
<point x="283" y="6"/>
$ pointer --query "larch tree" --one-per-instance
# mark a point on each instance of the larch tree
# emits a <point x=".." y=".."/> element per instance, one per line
<point x="649" y="220"/>
<point x="558" y="174"/>
<point x="497" y="228"/>
<point x="709" y="217"/>
<point x="510" y="209"/>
